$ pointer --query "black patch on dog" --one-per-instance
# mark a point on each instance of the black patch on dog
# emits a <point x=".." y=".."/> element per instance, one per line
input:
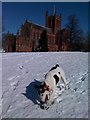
<point x="54" y="67"/>
<point x="56" y="78"/>
<point x="59" y="72"/>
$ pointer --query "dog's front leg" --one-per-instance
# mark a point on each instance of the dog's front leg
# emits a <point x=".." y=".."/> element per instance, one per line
<point x="51" y="99"/>
<point x="65" y="82"/>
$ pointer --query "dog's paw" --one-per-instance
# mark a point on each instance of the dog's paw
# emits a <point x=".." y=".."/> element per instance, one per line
<point x="44" y="107"/>
<point x="67" y="87"/>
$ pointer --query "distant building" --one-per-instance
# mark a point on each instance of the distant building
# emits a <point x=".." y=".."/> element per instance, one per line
<point x="9" y="44"/>
<point x="29" y="34"/>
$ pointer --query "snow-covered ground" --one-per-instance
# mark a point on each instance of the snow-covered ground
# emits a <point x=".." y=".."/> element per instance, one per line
<point x="0" y="84"/>
<point x="21" y="70"/>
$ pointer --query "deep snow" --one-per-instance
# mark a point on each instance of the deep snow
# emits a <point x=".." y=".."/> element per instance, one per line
<point x="20" y="70"/>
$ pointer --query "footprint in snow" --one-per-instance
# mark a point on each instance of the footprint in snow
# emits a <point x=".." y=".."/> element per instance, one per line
<point x="82" y="92"/>
<point x="83" y="78"/>
<point x="21" y="67"/>
<point x="75" y="89"/>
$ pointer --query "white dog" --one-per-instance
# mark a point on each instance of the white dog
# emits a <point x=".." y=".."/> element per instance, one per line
<point x="48" y="86"/>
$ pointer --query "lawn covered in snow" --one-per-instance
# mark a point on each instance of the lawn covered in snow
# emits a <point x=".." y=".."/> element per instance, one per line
<point x="19" y="70"/>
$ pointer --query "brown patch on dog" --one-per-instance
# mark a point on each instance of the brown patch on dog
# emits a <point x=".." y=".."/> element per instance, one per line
<point x="44" y="88"/>
<point x="46" y="98"/>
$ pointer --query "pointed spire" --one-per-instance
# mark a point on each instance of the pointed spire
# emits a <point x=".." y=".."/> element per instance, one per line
<point x="54" y="10"/>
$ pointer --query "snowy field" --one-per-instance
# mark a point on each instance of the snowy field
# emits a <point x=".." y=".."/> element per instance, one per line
<point x="21" y="70"/>
<point x="0" y="84"/>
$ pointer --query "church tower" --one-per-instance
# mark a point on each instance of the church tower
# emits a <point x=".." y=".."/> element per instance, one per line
<point x="53" y="21"/>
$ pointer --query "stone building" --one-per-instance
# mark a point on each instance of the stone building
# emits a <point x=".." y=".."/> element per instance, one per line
<point x="9" y="44"/>
<point x="29" y="34"/>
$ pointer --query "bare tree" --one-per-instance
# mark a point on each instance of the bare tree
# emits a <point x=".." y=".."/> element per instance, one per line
<point x="43" y="42"/>
<point x="75" y="33"/>
<point x="87" y="42"/>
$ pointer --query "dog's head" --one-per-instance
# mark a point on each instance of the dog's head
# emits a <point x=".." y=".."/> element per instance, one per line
<point x="44" y="93"/>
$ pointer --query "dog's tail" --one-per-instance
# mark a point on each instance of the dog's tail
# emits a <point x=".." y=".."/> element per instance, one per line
<point x="57" y="65"/>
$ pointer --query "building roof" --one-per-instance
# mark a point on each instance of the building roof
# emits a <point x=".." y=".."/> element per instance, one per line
<point x="39" y="26"/>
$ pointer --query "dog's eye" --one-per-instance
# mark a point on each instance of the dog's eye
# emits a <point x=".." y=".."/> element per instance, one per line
<point x="42" y="95"/>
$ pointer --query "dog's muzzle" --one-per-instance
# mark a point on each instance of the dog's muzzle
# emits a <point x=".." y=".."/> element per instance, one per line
<point x="41" y="102"/>
<point x="44" y="105"/>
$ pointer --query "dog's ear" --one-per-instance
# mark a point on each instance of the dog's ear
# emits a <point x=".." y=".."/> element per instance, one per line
<point x="43" y="84"/>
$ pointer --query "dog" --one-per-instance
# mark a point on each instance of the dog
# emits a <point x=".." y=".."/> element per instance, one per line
<point x="48" y="86"/>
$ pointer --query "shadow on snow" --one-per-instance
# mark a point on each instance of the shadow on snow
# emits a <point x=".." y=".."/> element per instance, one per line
<point x="32" y="91"/>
